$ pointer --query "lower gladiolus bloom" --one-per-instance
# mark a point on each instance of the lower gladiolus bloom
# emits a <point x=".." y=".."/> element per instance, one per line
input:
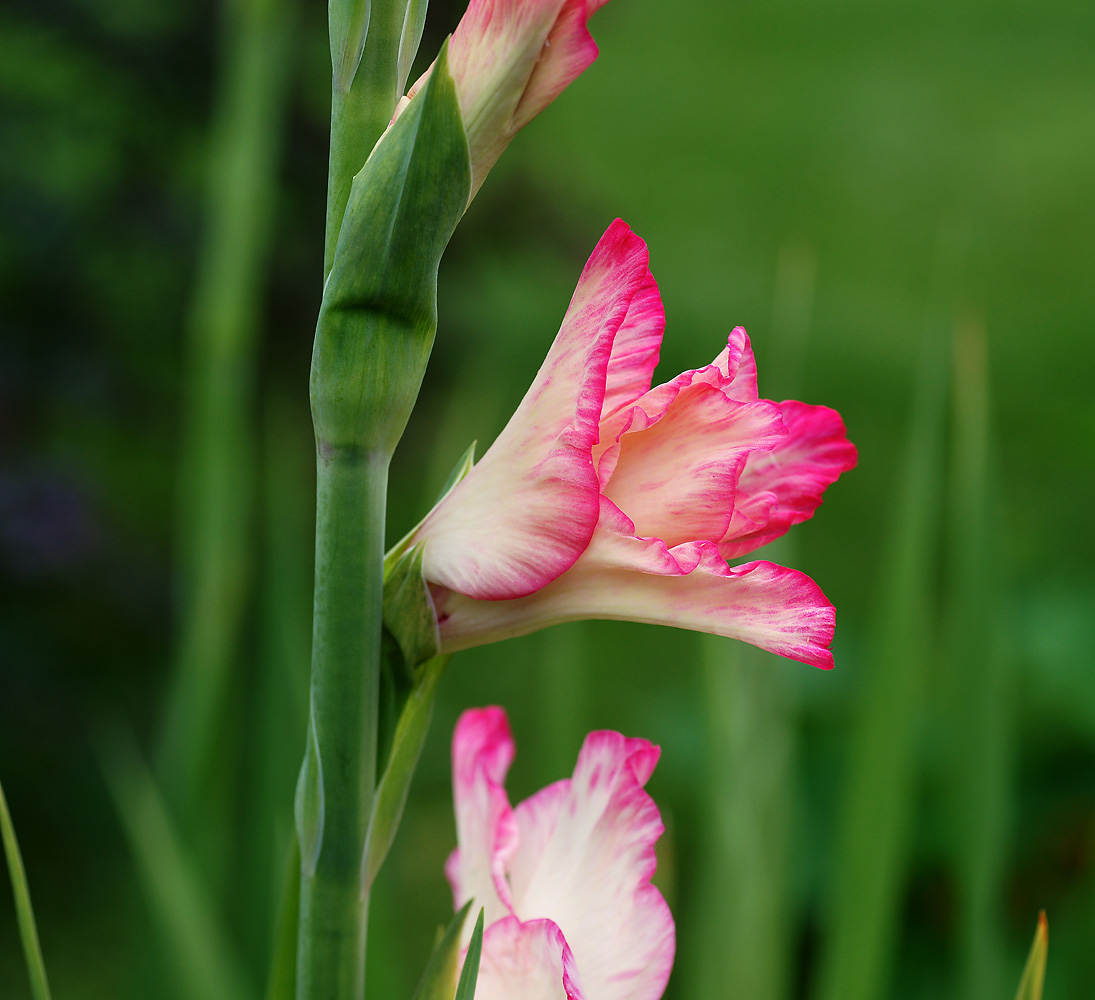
<point x="604" y="498"/>
<point x="564" y="879"/>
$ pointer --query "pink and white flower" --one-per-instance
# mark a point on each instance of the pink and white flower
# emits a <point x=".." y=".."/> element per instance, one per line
<point x="564" y="879"/>
<point x="510" y="59"/>
<point x="605" y="498"/>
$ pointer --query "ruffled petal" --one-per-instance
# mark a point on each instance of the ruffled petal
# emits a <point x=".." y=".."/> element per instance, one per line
<point x="785" y="486"/>
<point x="486" y="829"/>
<point x="526" y="961"/>
<point x="690" y="586"/>
<point x="676" y="478"/>
<point x="738" y="367"/>
<point x="528" y="509"/>
<point x="733" y="372"/>
<point x="586" y="858"/>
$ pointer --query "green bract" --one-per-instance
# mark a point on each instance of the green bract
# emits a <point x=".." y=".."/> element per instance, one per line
<point x="379" y="310"/>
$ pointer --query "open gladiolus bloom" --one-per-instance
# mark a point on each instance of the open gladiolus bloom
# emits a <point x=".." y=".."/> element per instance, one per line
<point x="564" y="879"/>
<point x="510" y="59"/>
<point x="604" y="498"/>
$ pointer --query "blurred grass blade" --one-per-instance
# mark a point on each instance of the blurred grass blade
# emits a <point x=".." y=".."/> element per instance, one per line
<point x="24" y="912"/>
<point x="218" y="455"/>
<point x="743" y="943"/>
<point x="281" y="981"/>
<point x="877" y="811"/>
<point x="976" y="679"/>
<point x="742" y="934"/>
<point x="205" y="966"/>
<point x="469" y="975"/>
<point x="440" y="971"/>
<point x="1034" y="974"/>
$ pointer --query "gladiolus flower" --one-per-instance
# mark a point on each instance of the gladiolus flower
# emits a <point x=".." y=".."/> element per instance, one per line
<point x="604" y="498"/>
<point x="564" y="879"/>
<point x="510" y="59"/>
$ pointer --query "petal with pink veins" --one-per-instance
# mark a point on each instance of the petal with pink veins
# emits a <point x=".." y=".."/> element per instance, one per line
<point x="528" y="509"/>
<point x="586" y="859"/>
<point x="526" y="961"/>
<point x="796" y="474"/>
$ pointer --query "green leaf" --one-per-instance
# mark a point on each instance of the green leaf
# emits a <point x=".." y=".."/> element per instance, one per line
<point x="24" y="912"/>
<point x="465" y="989"/>
<point x="1034" y="973"/>
<point x="440" y="972"/>
<point x="462" y="468"/>
<point x="379" y="311"/>
<point x="349" y="27"/>
<point x="407" y="743"/>
<point x="206" y="968"/>
<point x="409" y="612"/>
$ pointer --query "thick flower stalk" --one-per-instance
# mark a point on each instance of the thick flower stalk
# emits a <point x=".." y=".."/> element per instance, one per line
<point x="564" y="878"/>
<point x="510" y="59"/>
<point x="605" y="498"/>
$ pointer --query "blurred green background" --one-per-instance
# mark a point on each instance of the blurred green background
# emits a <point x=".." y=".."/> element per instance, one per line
<point x="895" y="200"/>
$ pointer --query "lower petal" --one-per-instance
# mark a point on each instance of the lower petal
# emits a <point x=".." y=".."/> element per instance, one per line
<point x="526" y="961"/>
<point x="640" y="579"/>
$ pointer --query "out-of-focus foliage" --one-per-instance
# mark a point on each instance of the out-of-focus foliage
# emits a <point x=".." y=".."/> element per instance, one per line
<point x="793" y="166"/>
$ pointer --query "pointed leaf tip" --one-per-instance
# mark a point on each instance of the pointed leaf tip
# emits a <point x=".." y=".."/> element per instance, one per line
<point x="469" y="974"/>
<point x="440" y="971"/>
<point x="408" y="610"/>
<point x="1034" y="973"/>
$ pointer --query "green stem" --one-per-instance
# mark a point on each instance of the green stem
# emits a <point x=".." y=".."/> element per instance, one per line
<point x="361" y="113"/>
<point x="335" y="796"/>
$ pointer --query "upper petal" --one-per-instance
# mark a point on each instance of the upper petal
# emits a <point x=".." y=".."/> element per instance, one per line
<point x="788" y="481"/>
<point x="526" y="961"/>
<point x="486" y="830"/>
<point x="675" y="478"/>
<point x="527" y="510"/>
<point x="635" y="350"/>
<point x="586" y="859"/>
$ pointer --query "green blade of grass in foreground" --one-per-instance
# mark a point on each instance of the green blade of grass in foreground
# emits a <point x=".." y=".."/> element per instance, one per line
<point x="24" y="912"/>
<point x="1034" y="974"/>
<point x="441" y="967"/>
<point x="469" y="974"/>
